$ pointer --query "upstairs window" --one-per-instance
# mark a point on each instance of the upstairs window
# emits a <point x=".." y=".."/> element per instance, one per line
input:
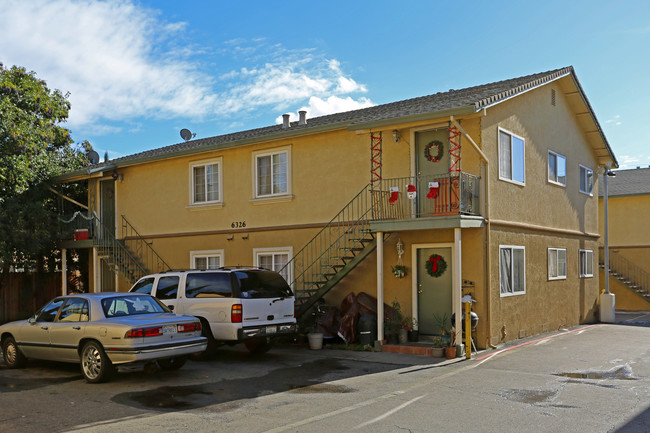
<point x="556" y="168"/>
<point x="586" y="180"/>
<point x="511" y="157"/>
<point x="557" y="263"/>
<point x="206" y="182"/>
<point x="272" y="174"/>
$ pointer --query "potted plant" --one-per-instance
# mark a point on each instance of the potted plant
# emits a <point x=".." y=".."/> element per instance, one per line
<point x="450" y="351"/>
<point x="413" y="333"/>
<point x="399" y="271"/>
<point x="394" y="323"/>
<point x="405" y="329"/>
<point x="442" y="322"/>
<point x="438" y="347"/>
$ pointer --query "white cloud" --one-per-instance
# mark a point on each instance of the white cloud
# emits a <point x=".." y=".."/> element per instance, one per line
<point x="334" y="104"/>
<point x="123" y="62"/>
<point x="616" y="120"/>
<point x="104" y="54"/>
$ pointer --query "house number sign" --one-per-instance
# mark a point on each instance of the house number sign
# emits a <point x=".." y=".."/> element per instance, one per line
<point x="238" y="224"/>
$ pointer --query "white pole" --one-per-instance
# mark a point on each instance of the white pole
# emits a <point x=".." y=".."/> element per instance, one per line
<point x="380" y="286"/>
<point x="607" y="299"/>
<point x="64" y="271"/>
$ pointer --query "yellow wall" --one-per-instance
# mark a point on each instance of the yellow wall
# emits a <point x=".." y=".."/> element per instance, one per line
<point x="544" y="127"/>
<point x="547" y="304"/>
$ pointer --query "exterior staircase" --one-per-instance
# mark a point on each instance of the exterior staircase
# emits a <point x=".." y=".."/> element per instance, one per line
<point x="629" y="274"/>
<point x="334" y="252"/>
<point x="132" y="256"/>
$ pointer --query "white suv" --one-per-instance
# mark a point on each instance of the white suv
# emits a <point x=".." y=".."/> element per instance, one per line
<point x="235" y="305"/>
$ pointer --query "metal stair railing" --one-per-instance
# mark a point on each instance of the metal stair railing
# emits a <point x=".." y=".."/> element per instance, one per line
<point x="118" y="256"/>
<point x="328" y="252"/>
<point x="347" y="239"/>
<point x="142" y="249"/>
<point x="629" y="274"/>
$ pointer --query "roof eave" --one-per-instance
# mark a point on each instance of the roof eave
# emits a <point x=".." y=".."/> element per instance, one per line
<point x="376" y="124"/>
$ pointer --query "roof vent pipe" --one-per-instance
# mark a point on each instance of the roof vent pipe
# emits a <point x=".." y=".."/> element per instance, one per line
<point x="303" y="117"/>
<point x="285" y="121"/>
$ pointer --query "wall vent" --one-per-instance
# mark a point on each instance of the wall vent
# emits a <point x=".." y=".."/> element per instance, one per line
<point x="553" y="97"/>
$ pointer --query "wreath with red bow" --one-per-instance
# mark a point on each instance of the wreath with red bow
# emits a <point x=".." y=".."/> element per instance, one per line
<point x="427" y="151"/>
<point x="436" y="265"/>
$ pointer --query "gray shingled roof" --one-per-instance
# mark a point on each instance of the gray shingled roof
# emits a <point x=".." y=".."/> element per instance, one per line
<point x="626" y="182"/>
<point x="470" y="99"/>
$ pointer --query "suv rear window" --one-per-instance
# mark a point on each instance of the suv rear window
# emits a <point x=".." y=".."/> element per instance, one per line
<point x="208" y="285"/>
<point x="262" y="284"/>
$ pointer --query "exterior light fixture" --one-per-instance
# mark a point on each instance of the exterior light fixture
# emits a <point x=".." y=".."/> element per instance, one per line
<point x="396" y="135"/>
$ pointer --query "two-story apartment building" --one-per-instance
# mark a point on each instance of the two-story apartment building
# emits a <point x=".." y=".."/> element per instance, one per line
<point x="488" y="191"/>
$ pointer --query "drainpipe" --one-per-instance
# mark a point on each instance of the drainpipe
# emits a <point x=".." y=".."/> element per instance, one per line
<point x="380" y="286"/>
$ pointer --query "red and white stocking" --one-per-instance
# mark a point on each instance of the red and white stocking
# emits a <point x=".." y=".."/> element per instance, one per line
<point x="433" y="190"/>
<point x="411" y="191"/>
<point x="394" y="194"/>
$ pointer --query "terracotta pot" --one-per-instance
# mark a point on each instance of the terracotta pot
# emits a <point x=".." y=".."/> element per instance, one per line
<point x="450" y="352"/>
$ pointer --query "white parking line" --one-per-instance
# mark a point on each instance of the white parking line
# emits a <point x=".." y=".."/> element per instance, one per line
<point x="389" y="413"/>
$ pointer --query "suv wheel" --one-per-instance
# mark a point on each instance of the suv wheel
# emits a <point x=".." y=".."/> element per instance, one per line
<point x="258" y="345"/>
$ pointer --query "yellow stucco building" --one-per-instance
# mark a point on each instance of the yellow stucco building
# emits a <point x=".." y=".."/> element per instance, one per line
<point x="629" y="238"/>
<point x="488" y="191"/>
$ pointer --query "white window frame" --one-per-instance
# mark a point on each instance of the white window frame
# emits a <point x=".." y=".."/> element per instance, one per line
<point x="271" y="152"/>
<point x="586" y="170"/>
<point x="504" y="176"/>
<point x="215" y="161"/>
<point x="554" y="264"/>
<point x="288" y="251"/>
<point x="586" y="263"/>
<point x="206" y="254"/>
<point x="557" y="159"/>
<point x="522" y="290"/>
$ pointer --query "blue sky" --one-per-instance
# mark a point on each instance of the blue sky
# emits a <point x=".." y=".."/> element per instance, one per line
<point x="139" y="71"/>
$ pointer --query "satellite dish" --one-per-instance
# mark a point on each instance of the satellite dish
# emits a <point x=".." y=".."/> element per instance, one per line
<point x="93" y="157"/>
<point x="187" y="135"/>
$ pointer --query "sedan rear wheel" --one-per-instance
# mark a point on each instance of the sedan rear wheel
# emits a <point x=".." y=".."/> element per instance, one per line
<point x="14" y="358"/>
<point x="172" y="363"/>
<point x="95" y="365"/>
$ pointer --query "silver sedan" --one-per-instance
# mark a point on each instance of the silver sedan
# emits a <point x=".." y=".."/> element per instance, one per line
<point x="102" y="331"/>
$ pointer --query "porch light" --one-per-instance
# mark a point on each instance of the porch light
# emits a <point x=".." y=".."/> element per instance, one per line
<point x="396" y="135"/>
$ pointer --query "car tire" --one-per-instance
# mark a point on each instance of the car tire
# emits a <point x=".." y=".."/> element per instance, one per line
<point x="13" y="357"/>
<point x="95" y="365"/>
<point x="172" y="363"/>
<point x="258" y="345"/>
<point x="211" y="349"/>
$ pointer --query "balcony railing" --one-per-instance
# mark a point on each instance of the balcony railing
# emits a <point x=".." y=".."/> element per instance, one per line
<point x="436" y="195"/>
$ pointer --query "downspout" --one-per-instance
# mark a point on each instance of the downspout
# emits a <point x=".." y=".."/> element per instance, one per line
<point x="486" y="273"/>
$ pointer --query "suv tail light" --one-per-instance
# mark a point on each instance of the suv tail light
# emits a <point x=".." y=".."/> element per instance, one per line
<point x="144" y="332"/>
<point x="236" y="313"/>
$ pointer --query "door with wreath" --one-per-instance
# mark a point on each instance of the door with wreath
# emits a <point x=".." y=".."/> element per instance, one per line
<point x="432" y="165"/>
<point x="434" y="297"/>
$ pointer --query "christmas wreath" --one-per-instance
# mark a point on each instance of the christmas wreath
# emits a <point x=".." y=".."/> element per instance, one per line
<point x="436" y="265"/>
<point x="427" y="151"/>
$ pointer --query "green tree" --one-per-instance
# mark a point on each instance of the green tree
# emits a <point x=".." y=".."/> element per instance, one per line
<point x="34" y="147"/>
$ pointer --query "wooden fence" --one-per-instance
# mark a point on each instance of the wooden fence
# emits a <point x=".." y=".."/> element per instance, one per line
<point x="22" y="293"/>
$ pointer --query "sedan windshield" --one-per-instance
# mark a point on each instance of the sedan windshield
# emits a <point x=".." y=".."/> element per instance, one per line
<point x="131" y="305"/>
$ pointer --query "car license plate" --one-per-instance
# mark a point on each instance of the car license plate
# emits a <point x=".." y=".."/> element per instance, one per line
<point x="169" y="329"/>
<point x="271" y="329"/>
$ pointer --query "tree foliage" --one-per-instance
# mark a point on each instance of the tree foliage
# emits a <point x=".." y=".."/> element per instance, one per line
<point x="34" y="147"/>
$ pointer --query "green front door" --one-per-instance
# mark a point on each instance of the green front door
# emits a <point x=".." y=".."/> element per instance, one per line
<point x="434" y="293"/>
<point x="427" y="145"/>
